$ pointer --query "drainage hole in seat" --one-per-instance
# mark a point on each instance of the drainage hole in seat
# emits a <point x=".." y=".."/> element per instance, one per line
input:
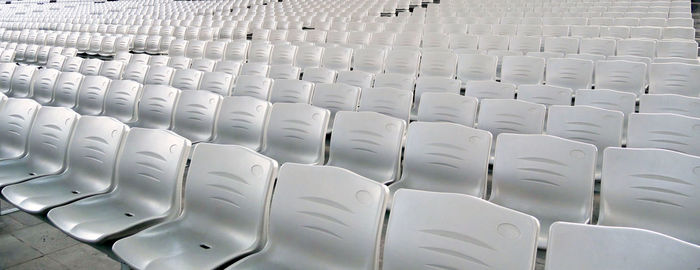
<point x="204" y="246"/>
<point x="75" y="192"/>
<point x="32" y="174"/>
<point x="129" y="214"/>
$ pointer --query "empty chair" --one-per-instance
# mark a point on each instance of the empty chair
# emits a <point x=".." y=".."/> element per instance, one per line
<point x="338" y="58"/>
<point x="438" y="64"/>
<point x="21" y="83"/>
<point x="91" y="95"/>
<point x="319" y="75"/>
<point x="43" y="85"/>
<point x="367" y="143"/>
<point x="616" y="32"/>
<point x="670" y="103"/>
<point x="664" y="130"/>
<point x="242" y="120"/>
<point x="677" y="48"/>
<point x="236" y="50"/>
<point x="402" y="61"/>
<point x="122" y="100"/>
<point x="302" y="194"/>
<point x="572" y="245"/>
<point x="91" y="159"/>
<point x="135" y="72"/>
<point x="621" y="75"/>
<point x="229" y="67"/>
<point x="215" y="50"/>
<point x="557" y="174"/>
<point x="445" y="157"/>
<point x="522" y="70"/>
<point x="679" y="33"/>
<point x="252" y="176"/>
<point x="436" y="40"/>
<point x="369" y="60"/>
<point x="218" y="82"/>
<point x="356" y="78"/>
<point x="511" y="116"/>
<point x="91" y="67"/>
<point x="254" y="86"/>
<point x="571" y="73"/>
<point x="649" y="32"/>
<point x="283" y="55"/>
<point x="545" y="94"/>
<point x="296" y="133"/>
<point x="525" y="44"/>
<point x="46" y="147"/>
<point x="195" y="49"/>
<point x="72" y="64"/>
<point x="150" y="166"/>
<point x="637" y="47"/>
<point x="180" y="62"/>
<point x="291" y="91"/>
<point x="139" y="59"/>
<point x="112" y="69"/>
<point x="66" y="89"/>
<point x="490" y="90"/>
<point x="203" y="65"/>
<point x="6" y="71"/>
<point x="565" y="45"/>
<point x="259" y="53"/>
<point x="464" y="41"/>
<point x="186" y="79"/>
<point x="16" y="119"/>
<point x="651" y="189"/>
<point x="673" y="78"/>
<point x="600" y="127"/>
<point x="488" y="43"/>
<point x="585" y="31"/>
<point x="529" y="30"/>
<point x="474" y="67"/>
<point x="195" y="115"/>
<point x="161" y="75"/>
<point x="156" y="106"/>
<point x="448" y="107"/>
<point x="393" y="80"/>
<point x="335" y="97"/>
<point x="389" y="101"/>
<point x="308" y="56"/>
<point x="413" y="236"/>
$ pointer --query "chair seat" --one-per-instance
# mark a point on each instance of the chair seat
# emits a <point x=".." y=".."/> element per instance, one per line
<point x="18" y="170"/>
<point x="39" y="195"/>
<point x="102" y="217"/>
<point x="178" y="245"/>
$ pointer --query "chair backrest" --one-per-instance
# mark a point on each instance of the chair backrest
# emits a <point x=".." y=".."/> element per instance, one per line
<point x="621" y="75"/>
<point x="402" y="61"/>
<point x="545" y="94"/>
<point x="180" y="62"/>
<point x="607" y="99"/>
<point x="49" y="139"/>
<point x="336" y="97"/>
<point x="66" y="89"/>
<point x="43" y="85"/>
<point x="522" y="70"/>
<point x="357" y="78"/>
<point x="242" y="121"/>
<point x="395" y="80"/>
<point x="545" y="176"/>
<point x="156" y="106"/>
<point x="215" y="50"/>
<point x="476" y="67"/>
<point x="22" y="79"/>
<point x="319" y="75"/>
<point x="670" y="103"/>
<point x="304" y="191"/>
<point x="93" y="151"/>
<point x="653" y="189"/>
<point x="571" y="73"/>
<point x="445" y="157"/>
<point x="135" y="72"/>
<point x="122" y="100"/>
<point x="6" y="71"/>
<point x="91" y="95"/>
<point x="91" y="67"/>
<point x="161" y="75"/>
<point x="600" y="46"/>
<point x="637" y="47"/>
<point x="666" y="131"/>
<point x="308" y="56"/>
<point x="291" y="91"/>
<point x="237" y="50"/>
<point x="563" y="45"/>
<point x="337" y="58"/>
<point x="72" y="64"/>
<point x="525" y="44"/>
<point x="195" y="115"/>
<point x="187" y="79"/>
<point x="389" y="101"/>
<point x="16" y="119"/>
<point x="479" y="237"/>
<point x="369" y="60"/>
<point x="283" y="55"/>
<point x="229" y="67"/>
<point x="572" y="245"/>
<point x="511" y="116"/>
<point x="677" y="48"/>
<point x="438" y="64"/>
<point x="434" y="84"/>
<point x="259" y="53"/>
<point x="152" y="166"/>
<point x="490" y="90"/>
<point x="600" y="127"/>
<point x="448" y="107"/>
<point x="254" y="86"/>
<point x="367" y="143"/>
<point x="217" y="82"/>
<point x="112" y="69"/>
<point x="296" y="132"/>
<point x="673" y="78"/>
<point x="213" y="178"/>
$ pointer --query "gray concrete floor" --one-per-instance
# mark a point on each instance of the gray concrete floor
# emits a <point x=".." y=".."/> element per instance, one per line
<point x="27" y="242"/>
